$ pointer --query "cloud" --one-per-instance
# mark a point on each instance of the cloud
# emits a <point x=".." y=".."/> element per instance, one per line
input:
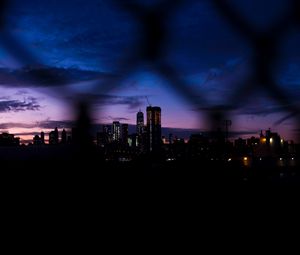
<point x="132" y="102"/>
<point x="26" y="134"/>
<point x="117" y="118"/>
<point x="29" y="104"/>
<point x="46" y="124"/>
<point x="263" y="111"/>
<point x="234" y="134"/>
<point x="260" y="109"/>
<point x="9" y="125"/>
<point x="50" y="124"/>
<point x="21" y="92"/>
<point x="43" y="76"/>
<point x="186" y="133"/>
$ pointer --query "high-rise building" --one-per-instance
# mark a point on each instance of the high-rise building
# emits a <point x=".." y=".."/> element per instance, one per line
<point x="37" y="140"/>
<point x="139" y="123"/>
<point x="64" y="137"/>
<point x="153" y="128"/>
<point x="125" y="134"/>
<point x="53" y="137"/>
<point x="116" y="131"/>
<point x="42" y="137"/>
<point x="107" y="129"/>
<point x="9" y="140"/>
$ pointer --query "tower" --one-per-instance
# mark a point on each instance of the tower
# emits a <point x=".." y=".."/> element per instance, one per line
<point x="64" y="137"/>
<point x="153" y="128"/>
<point x="116" y="131"/>
<point x="125" y="134"/>
<point x="42" y="137"/>
<point x="139" y="123"/>
<point x="53" y="137"/>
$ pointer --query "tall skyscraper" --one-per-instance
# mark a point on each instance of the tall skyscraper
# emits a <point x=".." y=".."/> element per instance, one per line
<point x="153" y="128"/>
<point x="125" y="134"/>
<point x="43" y="137"/>
<point x="107" y="129"/>
<point x="53" y="137"/>
<point x="116" y="131"/>
<point x="139" y="123"/>
<point x="108" y="137"/>
<point x="63" y="137"/>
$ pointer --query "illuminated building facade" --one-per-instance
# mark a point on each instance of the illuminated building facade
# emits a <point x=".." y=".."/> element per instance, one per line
<point x="125" y="134"/>
<point x="116" y="131"/>
<point x="153" y="128"/>
<point x="139" y="123"/>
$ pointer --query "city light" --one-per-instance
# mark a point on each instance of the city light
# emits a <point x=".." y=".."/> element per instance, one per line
<point x="271" y="140"/>
<point x="245" y="159"/>
<point x="170" y="159"/>
<point x="229" y="159"/>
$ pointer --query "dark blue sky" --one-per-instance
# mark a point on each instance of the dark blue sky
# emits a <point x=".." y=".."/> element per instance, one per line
<point x="89" y="42"/>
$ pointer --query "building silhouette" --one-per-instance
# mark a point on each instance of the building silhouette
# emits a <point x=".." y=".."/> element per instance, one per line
<point x="140" y="123"/>
<point x="63" y="137"/>
<point x="153" y="129"/>
<point x="107" y="129"/>
<point x="37" y="140"/>
<point x="9" y="140"/>
<point x="125" y="134"/>
<point x="116" y="131"/>
<point x="53" y="137"/>
<point x="42" y="138"/>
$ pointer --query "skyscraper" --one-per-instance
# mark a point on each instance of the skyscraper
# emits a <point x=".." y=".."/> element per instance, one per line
<point x="153" y="128"/>
<point x="139" y="123"/>
<point x="116" y="131"/>
<point x="53" y="137"/>
<point x="43" y="137"/>
<point x="63" y="137"/>
<point x="125" y="134"/>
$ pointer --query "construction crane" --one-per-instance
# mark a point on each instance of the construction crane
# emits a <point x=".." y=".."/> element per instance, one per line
<point x="148" y="101"/>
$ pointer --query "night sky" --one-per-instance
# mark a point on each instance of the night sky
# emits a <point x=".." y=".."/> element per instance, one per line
<point x="86" y="43"/>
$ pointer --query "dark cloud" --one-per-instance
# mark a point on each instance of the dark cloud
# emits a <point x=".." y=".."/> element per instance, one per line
<point x="260" y="109"/>
<point x="234" y="134"/>
<point x="186" y="133"/>
<point x="46" y="77"/>
<point x="9" y="125"/>
<point x="117" y="118"/>
<point x="132" y="102"/>
<point x="27" y="133"/>
<point x="264" y="110"/>
<point x="21" y="92"/>
<point x="47" y="124"/>
<point x="29" y="104"/>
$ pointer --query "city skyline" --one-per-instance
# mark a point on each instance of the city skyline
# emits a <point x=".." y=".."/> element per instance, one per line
<point x="45" y="136"/>
<point x="84" y="42"/>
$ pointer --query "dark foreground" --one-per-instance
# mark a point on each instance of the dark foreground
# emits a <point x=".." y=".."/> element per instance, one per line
<point x="80" y="168"/>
